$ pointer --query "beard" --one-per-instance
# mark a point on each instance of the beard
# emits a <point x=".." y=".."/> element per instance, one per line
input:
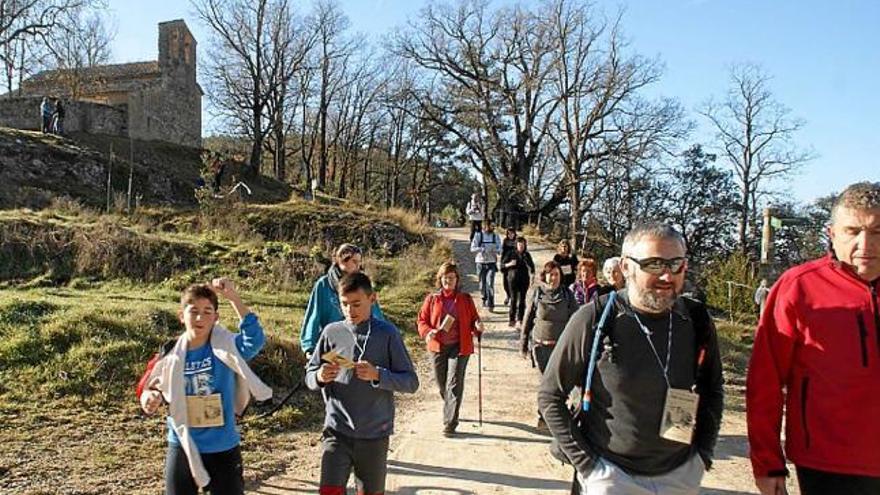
<point x="650" y="300"/>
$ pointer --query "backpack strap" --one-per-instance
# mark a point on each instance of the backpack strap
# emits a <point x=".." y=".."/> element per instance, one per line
<point x="702" y="334"/>
<point x="597" y="334"/>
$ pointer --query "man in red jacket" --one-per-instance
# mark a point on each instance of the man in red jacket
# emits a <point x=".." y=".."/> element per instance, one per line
<point x="817" y="349"/>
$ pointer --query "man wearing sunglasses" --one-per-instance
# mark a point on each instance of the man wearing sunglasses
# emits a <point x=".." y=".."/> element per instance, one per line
<point x="649" y="421"/>
<point x="817" y="358"/>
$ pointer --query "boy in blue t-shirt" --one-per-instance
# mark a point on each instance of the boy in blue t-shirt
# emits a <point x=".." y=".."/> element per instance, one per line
<point x="196" y="375"/>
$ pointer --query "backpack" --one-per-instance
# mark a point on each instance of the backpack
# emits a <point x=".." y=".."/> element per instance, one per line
<point x="605" y="326"/>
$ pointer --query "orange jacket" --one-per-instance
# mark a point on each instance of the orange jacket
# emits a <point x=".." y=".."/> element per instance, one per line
<point x="431" y="315"/>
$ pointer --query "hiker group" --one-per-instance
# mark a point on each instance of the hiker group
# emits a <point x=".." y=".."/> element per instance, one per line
<point x="51" y="116"/>
<point x="642" y="360"/>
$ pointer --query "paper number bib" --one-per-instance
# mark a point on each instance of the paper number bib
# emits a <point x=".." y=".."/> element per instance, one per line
<point x="679" y="415"/>
<point x="204" y="411"/>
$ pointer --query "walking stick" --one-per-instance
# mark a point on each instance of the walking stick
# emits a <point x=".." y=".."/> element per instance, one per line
<point x="480" y="377"/>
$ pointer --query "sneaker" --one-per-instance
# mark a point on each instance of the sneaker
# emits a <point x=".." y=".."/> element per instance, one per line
<point x="448" y="431"/>
<point x="542" y="425"/>
<point x="507" y="301"/>
<point x="511" y="324"/>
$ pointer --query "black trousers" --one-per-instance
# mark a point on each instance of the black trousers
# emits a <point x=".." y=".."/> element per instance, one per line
<point x="815" y="482"/>
<point x="517" y="302"/>
<point x="542" y="356"/>
<point x="224" y="468"/>
<point x="368" y="458"/>
<point x="450" y="385"/>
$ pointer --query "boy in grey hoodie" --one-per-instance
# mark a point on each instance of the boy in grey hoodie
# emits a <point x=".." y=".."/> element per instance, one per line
<point x="357" y="365"/>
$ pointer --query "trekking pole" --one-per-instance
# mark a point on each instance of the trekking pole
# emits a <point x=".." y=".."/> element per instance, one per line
<point x="480" y="378"/>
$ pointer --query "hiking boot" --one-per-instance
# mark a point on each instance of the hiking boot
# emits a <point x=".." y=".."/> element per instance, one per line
<point x="541" y="425"/>
<point x="448" y="431"/>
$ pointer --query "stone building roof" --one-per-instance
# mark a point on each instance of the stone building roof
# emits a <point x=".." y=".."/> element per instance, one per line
<point x="101" y="78"/>
<point x="105" y="72"/>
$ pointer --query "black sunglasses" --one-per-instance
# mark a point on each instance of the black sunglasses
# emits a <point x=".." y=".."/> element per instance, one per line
<point x="656" y="266"/>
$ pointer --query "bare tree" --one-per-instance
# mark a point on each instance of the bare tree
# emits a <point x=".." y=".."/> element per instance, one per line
<point x="21" y="23"/>
<point x="19" y="18"/>
<point x="81" y="39"/>
<point x="756" y="136"/>
<point x="235" y="66"/>
<point x="601" y="114"/>
<point x="290" y="40"/>
<point x="494" y="69"/>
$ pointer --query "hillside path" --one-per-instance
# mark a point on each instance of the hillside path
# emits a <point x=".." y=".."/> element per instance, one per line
<point x="506" y="454"/>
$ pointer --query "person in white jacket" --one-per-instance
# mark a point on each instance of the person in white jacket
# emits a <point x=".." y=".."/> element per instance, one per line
<point x="476" y="212"/>
<point x="204" y="378"/>
<point x="487" y="246"/>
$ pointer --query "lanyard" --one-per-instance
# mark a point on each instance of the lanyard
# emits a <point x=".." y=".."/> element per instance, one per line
<point x="664" y="367"/>
<point x="361" y="348"/>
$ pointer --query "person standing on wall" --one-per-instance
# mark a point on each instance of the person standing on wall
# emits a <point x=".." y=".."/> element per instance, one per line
<point x="46" y="111"/>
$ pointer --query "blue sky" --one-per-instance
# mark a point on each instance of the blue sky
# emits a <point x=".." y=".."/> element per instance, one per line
<point x="823" y="57"/>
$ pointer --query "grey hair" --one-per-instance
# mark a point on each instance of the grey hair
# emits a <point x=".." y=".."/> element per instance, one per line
<point x="611" y="263"/>
<point x="859" y="196"/>
<point x="655" y="230"/>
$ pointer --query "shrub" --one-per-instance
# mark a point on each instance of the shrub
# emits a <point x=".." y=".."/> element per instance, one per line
<point x="730" y="285"/>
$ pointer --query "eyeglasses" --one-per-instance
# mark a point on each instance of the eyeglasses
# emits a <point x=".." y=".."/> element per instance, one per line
<point x="656" y="266"/>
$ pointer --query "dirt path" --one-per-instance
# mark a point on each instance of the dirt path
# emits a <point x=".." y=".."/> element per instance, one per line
<point x="506" y="455"/>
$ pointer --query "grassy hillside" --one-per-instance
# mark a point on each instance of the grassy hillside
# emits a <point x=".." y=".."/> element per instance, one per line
<point x="35" y="168"/>
<point x="86" y="299"/>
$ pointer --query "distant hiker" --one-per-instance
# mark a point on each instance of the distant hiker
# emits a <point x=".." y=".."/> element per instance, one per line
<point x="649" y="417"/>
<point x="323" y="307"/>
<point x="58" y="117"/>
<point x="448" y="322"/>
<point x="486" y="244"/>
<point x="613" y="276"/>
<point x="507" y="245"/>
<point x="567" y="262"/>
<point x="358" y="364"/>
<point x="761" y="294"/>
<point x="46" y="111"/>
<point x="204" y="378"/>
<point x="520" y="270"/>
<point x="218" y="166"/>
<point x="586" y="287"/>
<point x="816" y="360"/>
<point x="476" y="213"/>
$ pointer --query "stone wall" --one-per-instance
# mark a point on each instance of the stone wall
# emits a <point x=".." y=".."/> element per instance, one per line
<point x="169" y="110"/>
<point x="80" y="116"/>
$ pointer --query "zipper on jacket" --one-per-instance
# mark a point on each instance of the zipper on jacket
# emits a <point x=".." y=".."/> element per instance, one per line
<point x="863" y="339"/>
<point x="804" y="387"/>
<point x="876" y="314"/>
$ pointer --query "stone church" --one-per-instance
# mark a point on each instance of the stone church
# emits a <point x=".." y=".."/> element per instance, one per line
<point x="155" y="100"/>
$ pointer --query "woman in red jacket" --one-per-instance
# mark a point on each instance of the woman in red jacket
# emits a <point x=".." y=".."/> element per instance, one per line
<point x="448" y="322"/>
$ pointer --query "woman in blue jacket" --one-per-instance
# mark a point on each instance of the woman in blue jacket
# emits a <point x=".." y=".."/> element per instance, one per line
<point x="323" y="307"/>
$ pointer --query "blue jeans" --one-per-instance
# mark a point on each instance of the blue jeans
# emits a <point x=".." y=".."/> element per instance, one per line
<point x="487" y="283"/>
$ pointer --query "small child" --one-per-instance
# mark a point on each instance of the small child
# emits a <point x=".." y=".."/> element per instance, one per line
<point x="204" y="378"/>
<point x="369" y="363"/>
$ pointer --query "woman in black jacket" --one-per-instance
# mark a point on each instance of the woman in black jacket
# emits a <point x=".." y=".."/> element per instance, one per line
<point x="507" y="245"/>
<point x="519" y="269"/>
<point x="567" y="262"/>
